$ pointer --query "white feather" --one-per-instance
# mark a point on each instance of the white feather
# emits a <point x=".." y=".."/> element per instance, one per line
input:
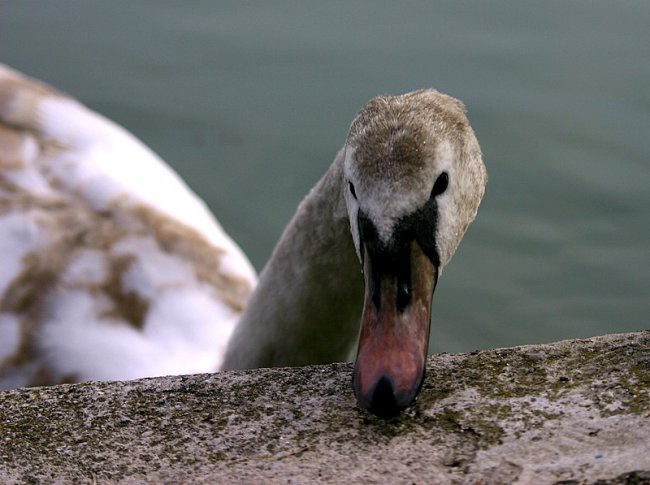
<point x="10" y="331"/>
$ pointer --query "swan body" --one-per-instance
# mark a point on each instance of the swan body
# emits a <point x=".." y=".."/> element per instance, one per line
<point x="111" y="268"/>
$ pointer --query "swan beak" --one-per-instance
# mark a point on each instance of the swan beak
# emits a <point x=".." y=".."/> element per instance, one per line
<point x="394" y="337"/>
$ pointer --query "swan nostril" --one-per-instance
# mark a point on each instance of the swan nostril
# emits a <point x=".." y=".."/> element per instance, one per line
<point x="403" y="295"/>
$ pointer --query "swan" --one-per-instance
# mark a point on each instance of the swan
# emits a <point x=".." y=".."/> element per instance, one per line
<point x="111" y="268"/>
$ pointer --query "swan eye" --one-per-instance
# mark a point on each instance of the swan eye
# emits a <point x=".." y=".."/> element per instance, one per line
<point x="351" y="187"/>
<point x="441" y="184"/>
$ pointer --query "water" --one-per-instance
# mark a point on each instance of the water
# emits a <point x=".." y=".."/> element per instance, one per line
<point x="250" y="101"/>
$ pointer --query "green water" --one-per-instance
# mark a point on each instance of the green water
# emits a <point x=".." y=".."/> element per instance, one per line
<point x="250" y="101"/>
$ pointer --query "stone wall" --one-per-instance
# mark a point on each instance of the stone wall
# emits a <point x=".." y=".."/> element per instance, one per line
<point x="576" y="411"/>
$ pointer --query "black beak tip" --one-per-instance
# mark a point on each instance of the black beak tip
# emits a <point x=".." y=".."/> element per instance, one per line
<point x="382" y="400"/>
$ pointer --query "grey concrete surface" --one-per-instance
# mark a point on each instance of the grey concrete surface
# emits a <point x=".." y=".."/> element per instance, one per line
<point x="576" y="411"/>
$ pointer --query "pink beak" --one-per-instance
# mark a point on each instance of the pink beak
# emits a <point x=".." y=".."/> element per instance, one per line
<point x="394" y="338"/>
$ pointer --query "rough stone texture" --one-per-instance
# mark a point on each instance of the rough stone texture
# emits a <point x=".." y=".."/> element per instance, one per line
<point x="575" y="411"/>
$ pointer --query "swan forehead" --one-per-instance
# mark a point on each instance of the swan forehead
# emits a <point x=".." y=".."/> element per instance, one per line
<point x="396" y="148"/>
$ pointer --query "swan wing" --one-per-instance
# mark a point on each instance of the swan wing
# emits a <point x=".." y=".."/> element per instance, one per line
<point x="110" y="266"/>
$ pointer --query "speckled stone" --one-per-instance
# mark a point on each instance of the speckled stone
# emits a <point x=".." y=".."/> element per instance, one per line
<point x="576" y="411"/>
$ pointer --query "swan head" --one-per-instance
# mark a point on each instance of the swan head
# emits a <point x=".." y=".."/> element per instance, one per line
<point x="414" y="179"/>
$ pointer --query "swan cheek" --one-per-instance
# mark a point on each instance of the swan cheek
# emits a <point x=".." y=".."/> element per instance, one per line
<point x="393" y="342"/>
<point x="354" y="230"/>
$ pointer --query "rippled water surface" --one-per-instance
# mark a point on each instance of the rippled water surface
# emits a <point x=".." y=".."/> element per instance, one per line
<point x="250" y="101"/>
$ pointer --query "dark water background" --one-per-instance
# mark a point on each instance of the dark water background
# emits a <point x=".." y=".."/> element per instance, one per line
<point x="250" y="101"/>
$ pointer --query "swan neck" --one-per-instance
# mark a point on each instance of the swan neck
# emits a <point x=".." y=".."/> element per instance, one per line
<point x="306" y="306"/>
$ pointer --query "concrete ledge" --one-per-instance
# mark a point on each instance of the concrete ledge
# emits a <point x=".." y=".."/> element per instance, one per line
<point x="576" y="411"/>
